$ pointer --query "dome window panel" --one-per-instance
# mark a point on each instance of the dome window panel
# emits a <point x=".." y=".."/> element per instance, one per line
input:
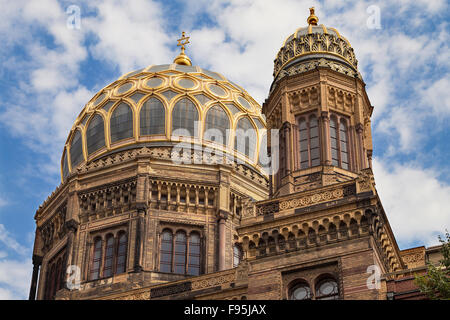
<point x="180" y="253"/>
<point x="217" y="125"/>
<point x="134" y="73"/>
<point x="186" y="83"/>
<point x="244" y="103"/>
<point x="184" y="118"/>
<point x="165" y="261"/>
<point x="213" y="75"/>
<point x="95" y="134"/>
<point x="202" y="98"/>
<point x="136" y="97"/>
<point x="154" y="82"/>
<point x="184" y="68"/>
<point x="233" y="108"/>
<point x="216" y="90"/>
<point x="76" y="150"/>
<point x="99" y="99"/>
<point x="152" y="117"/>
<point x="169" y="94"/>
<point x="245" y="138"/>
<point x="194" y="254"/>
<point x="159" y="68"/>
<point x="124" y="88"/>
<point x="108" y="106"/>
<point x="121" y="123"/>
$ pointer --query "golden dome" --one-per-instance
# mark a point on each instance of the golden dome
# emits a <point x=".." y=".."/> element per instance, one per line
<point x="314" y="42"/>
<point x="143" y="107"/>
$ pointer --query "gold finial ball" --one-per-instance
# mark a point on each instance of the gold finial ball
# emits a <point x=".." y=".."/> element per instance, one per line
<point x="312" y="19"/>
<point x="182" y="58"/>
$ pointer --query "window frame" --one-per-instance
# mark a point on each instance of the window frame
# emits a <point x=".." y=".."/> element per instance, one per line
<point x="345" y="121"/>
<point x="307" y="118"/>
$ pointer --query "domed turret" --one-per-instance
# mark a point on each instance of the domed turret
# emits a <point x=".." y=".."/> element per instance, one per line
<point x="314" y="42"/>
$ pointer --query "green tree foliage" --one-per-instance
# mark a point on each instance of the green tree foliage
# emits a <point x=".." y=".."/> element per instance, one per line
<point x="436" y="283"/>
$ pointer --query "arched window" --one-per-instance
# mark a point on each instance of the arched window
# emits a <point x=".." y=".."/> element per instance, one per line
<point x="180" y="253"/>
<point x="152" y="117"/>
<point x="309" y="142"/>
<point x="96" y="259"/>
<point x="344" y="145"/>
<point x="245" y="139"/>
<point x="339" y="143"/>
<point x="165" y="263"/>
<point x="194" y="254"/>
<point x="109" y="256"/>
<point x="327" y="289"/>
<point x="121" y="123"/>
<point x="76" y="150"/>
<point x="237" y="255"/>
<point x="121" y="253"/>
<point x="65" y="166"/>
<point x="184" y="116"/>
<point x="217" y="125"/>
<point x="300" y="291"/>
<point x="95" y="134"/>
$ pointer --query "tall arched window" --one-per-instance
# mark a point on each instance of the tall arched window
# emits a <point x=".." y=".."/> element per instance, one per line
<point x="339" y="143"/>
<point x="217" y="125"/>
<point x="96" y="259"/>
<point x="121" y="253"/>
<point x="165" y="263"/>
<point x="95" y="134"/>
<point x="184" y="116"/>
<point x="180" y="253"/>
<point x="194" y="254"/>
<point x="65" y="167"/>
<point x="237" y="255"/>
<point x="309" y="142"/>
<point x="152" y="117"/>
<point x="121" y="123"/>
<point x="327" y="289"/>
<point x="300" y="291"/>
<point x="109" y="256"/>
<point x="76" y="150"/>
<point x="245" y="139"/>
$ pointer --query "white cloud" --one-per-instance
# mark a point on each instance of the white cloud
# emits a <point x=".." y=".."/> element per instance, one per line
<point x="15" y="277"/>
<point x="10" y="243"/>
<point x="416" y="203"/>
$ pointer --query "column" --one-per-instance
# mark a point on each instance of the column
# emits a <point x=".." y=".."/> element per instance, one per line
<point x="222" y="239"/>
<point x="325" y="139"/>
<point x="37" y="261"/>
<point x="140" y="236"/>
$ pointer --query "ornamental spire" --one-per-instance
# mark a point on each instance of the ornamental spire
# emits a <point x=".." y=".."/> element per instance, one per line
<point x="312" y="19"/>
<point x="182" y="58"/>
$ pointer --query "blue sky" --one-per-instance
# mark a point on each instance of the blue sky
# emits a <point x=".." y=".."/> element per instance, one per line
<point x="49" y="71"/>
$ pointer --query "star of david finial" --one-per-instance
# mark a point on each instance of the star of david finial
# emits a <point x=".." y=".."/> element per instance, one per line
<point x="182" y="57"/>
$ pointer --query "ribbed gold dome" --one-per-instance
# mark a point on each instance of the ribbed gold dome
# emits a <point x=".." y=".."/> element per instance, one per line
<point x="164" y="87"/>
<point x="314" y="42"/>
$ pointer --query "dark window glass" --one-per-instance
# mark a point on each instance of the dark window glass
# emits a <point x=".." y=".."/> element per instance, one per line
<point x="301" y="292"/>
<point x="184" y="116"/>
<point x="153" y="117"/>
<point x="245" y="139"/>
<point x="309" y="142"/>
<point x="180" y="253"/>
<point x="76" y="150"/>
<point x="237" y="255"/>
<point x="65" y="165"/>
<point x="327" y="290"/>
<point x="96" y="259"/>
<point x="121" y="124"/>
<point x="95" y="134"/>
<point x="334" y="143"/>
<point x="109" y="257"/>
<point x="121" y="253"/>
<point x="194" y="254"/>
<point x="166" y="252"/>
<point x="343" y="140"/>
<point x="217" y="119"/>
